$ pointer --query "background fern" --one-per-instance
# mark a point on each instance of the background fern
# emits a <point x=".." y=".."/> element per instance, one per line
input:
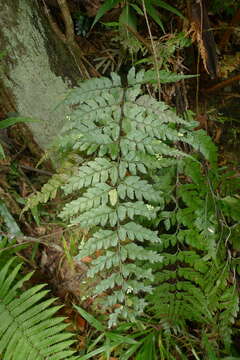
<point x="28" y="329"/>
<point x="193" y="283"/>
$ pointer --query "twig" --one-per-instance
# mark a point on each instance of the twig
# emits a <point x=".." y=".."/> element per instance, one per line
<point x="53" y="24"/>
<point x="222" y="84"/>
<point x="21" y="240"/>
<point x="155" y="57"/>
<point x="67" y="21"/>
<point x="44" y="172"/>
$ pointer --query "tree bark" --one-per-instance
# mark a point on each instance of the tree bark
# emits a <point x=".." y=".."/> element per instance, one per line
<point x="36" y="68"/>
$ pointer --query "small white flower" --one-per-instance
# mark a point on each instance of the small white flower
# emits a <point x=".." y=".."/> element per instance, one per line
<point x="158" y="156"/>
<point x="150" y="207"/>
<point x="180" y="134"/>
<point x="68" y="117"/>
<point x="129" y="290"/>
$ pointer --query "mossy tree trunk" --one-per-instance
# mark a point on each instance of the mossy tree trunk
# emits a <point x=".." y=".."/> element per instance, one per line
<point x="36" y="68"/>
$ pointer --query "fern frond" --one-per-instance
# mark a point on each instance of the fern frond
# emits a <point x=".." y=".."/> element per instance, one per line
<point x="54" y="184"/>
<point x="179" y="294"/>
<point x="126" y="137"/>
<point x="28" y="329"/>
<point x="48" y="191"/>
<point x="127" y="140"/>
<point x="203" y="143"/>
<point x="194" y="283"/>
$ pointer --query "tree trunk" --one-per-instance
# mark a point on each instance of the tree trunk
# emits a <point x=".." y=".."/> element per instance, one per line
<point x="36" y="68"/>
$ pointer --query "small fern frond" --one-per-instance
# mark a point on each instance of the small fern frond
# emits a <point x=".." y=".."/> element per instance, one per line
<point x="54" y="184"/>
<point x="27" y="328"/>
<point x="48" y="191"/>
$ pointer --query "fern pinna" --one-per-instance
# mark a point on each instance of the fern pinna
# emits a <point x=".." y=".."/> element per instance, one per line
<point x="123" y="138"/>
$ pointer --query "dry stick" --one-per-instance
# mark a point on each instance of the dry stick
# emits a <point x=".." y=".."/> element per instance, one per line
<point x="22" y="239"/>
<point x="67" y="18"/>
<point x="40" y="171"/>
<point x="70" y="37"/>
<point x="198" y="59"/>
<point x="68" y="41"/>
<point x="222" y="84"/>
<point x="53" y="24"/>
<point x="153" y="48"/>
<point x="29" y="168"/>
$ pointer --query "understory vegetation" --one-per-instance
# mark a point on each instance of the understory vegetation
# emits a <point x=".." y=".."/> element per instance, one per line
<point x="150" y="214"/>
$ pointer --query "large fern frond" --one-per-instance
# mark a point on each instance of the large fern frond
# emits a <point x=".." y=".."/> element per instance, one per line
<point x="126" y="140"/>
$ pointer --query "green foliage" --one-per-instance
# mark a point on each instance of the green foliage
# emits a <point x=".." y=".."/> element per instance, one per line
<point x="130" y="181"/>
<point x="48" y="192"/>
<point x="164" y="76"/>
<point x="192" y="283"/>
<point x="111" y="342"/>
<point x="10" y="223"/>
<point x="126" y="138"/>
<point x="133" y="9"/>
<point x="14" y="120"/>
<point x="131" y="48"/>
<point x="82" y="24"/>
<point x="228" y="6"/>
<point x="28" y="329"/>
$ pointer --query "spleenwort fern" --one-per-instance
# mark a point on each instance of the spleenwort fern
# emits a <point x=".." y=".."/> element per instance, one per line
<point x="125" y="139"/>
<point x="114" y="193"/>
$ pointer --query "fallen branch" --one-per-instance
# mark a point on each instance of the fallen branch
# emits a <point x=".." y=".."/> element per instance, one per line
<point x="222" y="84"/>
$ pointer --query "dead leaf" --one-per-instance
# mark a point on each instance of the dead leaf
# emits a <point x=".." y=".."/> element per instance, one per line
<point x="86" y="259"/>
